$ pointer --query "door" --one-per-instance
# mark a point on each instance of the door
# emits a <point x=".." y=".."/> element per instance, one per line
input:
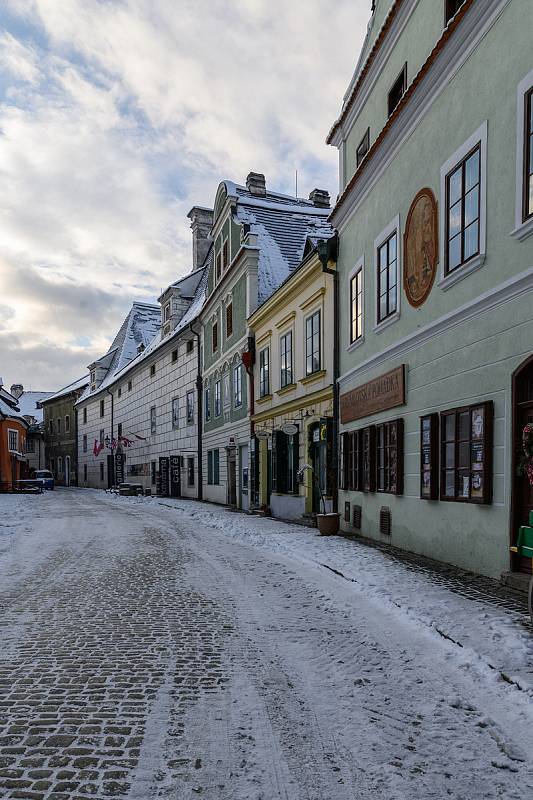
<point x="232" y="477"/>
<point x="67" y="470"/>
<point x="522" y="488"/>
<point x="110" y="471"/>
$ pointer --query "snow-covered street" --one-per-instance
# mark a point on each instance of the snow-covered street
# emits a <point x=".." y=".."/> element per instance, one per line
<point x="167" y="648"/>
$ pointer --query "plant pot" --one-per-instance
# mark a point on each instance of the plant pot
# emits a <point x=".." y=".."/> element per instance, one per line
<point x="328" y="524"/>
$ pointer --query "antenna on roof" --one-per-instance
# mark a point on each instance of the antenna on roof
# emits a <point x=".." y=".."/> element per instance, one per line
<point x="296" y="184"/>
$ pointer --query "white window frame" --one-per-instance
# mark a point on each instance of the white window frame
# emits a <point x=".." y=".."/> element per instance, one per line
<point x="522" y="229"/>
<point x="478" y="137"/>
<point x="237" y="386"/>
<point x="360" y="265"/>
<point x="386" y="233"/>
<point x="16" y="432"/>
<point x="218" y="397"/>
<point x="189" y="406"/>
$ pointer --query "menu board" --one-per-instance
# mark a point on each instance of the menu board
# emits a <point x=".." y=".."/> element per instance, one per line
<point x="429" y="473"/>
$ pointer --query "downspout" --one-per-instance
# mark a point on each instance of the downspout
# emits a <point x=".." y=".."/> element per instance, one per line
<point x="76" y="448"/>
<point x="328" y="251"/>
<point x="199" y="394"/>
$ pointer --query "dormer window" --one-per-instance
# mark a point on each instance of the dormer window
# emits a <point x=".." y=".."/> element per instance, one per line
<point x="93" y="378"/>
<point x="363" y="148"/>
<point x="398" y="89"/>
<point x="166" y="313"/>
<point x="451" y="7"/>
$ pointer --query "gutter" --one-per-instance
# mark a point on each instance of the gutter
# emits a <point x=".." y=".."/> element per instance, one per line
<point x="200" y="416"/>
<point x="328" y="251"/>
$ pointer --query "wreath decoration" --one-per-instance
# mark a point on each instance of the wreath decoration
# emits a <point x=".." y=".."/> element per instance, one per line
<point x="525" y="466"/>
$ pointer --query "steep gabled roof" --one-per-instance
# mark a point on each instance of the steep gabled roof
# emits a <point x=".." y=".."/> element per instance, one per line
<point x="80" y="383"/>
<point x="27" y="404"/>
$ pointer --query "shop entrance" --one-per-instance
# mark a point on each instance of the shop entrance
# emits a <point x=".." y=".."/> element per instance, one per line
<point x="522" y="501"/>
<point x="316" y="457"/>
<point x="232" y="476"/>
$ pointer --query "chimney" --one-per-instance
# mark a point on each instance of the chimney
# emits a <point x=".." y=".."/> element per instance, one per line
<point x="17" y="390"/>
<point x="320" y="198"/>
<point x="201" y="224"/>
<point x="256" y="184"/>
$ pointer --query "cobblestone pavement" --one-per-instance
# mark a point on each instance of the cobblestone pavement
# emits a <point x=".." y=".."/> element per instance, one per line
<point x="146" y="657"/>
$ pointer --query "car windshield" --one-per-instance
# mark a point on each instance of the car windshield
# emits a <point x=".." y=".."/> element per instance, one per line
<point x="43" y="473"/>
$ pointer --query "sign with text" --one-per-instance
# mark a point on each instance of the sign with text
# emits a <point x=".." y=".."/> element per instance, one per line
<point x="175" y="477"/>
<point x="164" y="475"/>
<point x="379" y="394"/>
<point x="119" y="468"/>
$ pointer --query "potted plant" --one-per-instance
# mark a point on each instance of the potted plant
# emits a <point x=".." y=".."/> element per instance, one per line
<point x="328" y="523"/>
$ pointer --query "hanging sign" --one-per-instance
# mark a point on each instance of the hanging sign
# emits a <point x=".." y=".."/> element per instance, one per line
<point x="289" y="429"/>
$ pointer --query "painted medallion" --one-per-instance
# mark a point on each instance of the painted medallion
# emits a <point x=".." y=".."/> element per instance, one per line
<point x="420" y="247"/>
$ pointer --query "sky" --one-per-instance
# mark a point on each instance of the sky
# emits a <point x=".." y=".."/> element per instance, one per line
<point x="116" y="117"/>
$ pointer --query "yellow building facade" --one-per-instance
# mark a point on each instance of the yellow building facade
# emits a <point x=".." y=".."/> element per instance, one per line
<point x="292" y="474"/>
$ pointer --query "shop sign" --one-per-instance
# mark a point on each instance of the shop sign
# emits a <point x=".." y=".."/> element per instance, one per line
<point x="379" y="394"/>
<point x="164" y="475"/>
<point x="119" y="468"/>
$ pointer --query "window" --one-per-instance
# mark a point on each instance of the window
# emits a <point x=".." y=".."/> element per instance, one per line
<point x="102" y="435"/>
<point x="285" y="357"/>
<point x="398" y="89"/>
<point x="214" y="337"/>
<point x="218" y="265"/>
<point x="463" y="211"/>
<point x="225" y="255"/>
<point x="119" y="391"/>
<point x="387" y="260"/>
<point x="153" y="472"/>
<point x="119" y="430"/>
<point x="451" y="7"/>
<point x="229" y="319"/>
<point x="101" y="470"/>
<point x="312" y="343"/>
<point x="166" y="313"/>
<point x="102" y="407"/>
<point x="93" y="378"/>
<point x="364" y="147"/>
<point x="429" y="457"/>
<point x="152" y="370"/>
<point x="190" y="346"/>
<point x="175" y="413"/>
<point x="264" y="372"/>
<point x="59" y="465"/>
<point x="213" y="467"/>
<point x="85" y="415"/>
<point x="84" y="443"/>
<point x="174" y="356"/>
<point x="30" y="444"/>
<point x="466" y="454"/>
<point x="356" y="306"/>
<point x="85" y="473"/>
<point x="52" y="422"/>
<point x="59" y="424"/>
<point x="351" y="461"/>
<point x="528" y="157"/>
<point x="207" y="404"/>
<point x="190" y="408"/>
<point x="368" y="446"/>
<point x="12" y="440"/>
<point x="153" y="419"/>
<point x="389" y="461"/>
<point x="67" y="424"/>
<point x="190" y="472"/>
<point x="218" y="405"/>
<point x="130" y="384"/>
<point x="237" y="386"/>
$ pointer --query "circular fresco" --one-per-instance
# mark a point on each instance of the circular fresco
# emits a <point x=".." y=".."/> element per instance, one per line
<point x="420" y="242"/>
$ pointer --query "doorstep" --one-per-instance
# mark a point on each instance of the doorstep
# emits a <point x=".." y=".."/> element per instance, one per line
<point x="518" y="581"/>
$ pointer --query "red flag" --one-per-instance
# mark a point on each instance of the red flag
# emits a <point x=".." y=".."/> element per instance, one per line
<point x="95" y="448"/>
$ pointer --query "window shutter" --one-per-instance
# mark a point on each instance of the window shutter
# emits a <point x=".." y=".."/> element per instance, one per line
<point x="283" y="462"/>
<point x="331" y="475"/>
<point x="210" y="466"/>
<point x="274" y="461"/>
<point x="216" y="467"/>
<point x="343" y="484"/>
<point x="254" y="470"/>
<point x="369" y="459"/>
<point x="397" y="485"/>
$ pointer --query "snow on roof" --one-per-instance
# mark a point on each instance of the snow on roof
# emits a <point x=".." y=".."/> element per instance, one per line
<point x="152" y="331"/>
<point x="70" y="387"/>
<point x="282" y="234"/>
<point x="27" y="404"/>
<point x="140" y="326"/>
<point x="9" y="407"/>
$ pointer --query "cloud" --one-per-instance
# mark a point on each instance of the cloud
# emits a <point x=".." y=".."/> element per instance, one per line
<point x="118" y="116"/>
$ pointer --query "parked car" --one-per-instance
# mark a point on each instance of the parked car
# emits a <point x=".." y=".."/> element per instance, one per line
<point x="46" y="478"/>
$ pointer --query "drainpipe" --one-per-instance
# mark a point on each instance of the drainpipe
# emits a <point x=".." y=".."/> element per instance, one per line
<point x="200" y="416"/>
<point x="76" y="449"/>
<point x="248" y="359"/>
<point x="328" y="251"/>
<point x="111" y="437"/>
